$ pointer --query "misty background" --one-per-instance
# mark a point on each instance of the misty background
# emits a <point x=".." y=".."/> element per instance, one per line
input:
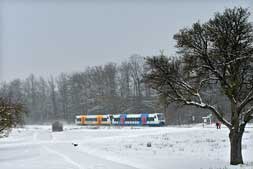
<point x="50" y="37"/>
<point x="64" y="58"/>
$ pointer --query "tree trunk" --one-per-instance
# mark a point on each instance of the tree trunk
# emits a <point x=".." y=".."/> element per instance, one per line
<point x="235" y="147"/>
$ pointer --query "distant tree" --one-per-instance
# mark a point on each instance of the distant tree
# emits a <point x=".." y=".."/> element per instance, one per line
<point x="110" y="72"/>
<point x="11" y="114"/>
<point x="53" y="96"/>
<point x="137" y="69"/>
<point x="43" y="98"/>
<point x="124" y="79"/>
<point x="63" y="90"/>
<point x="15" y="91"/>
<point x="217" y="53"/>
<point x="30" y="87"/>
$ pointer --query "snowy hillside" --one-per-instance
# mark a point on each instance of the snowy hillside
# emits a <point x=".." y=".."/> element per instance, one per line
<point x="36" y="147"/>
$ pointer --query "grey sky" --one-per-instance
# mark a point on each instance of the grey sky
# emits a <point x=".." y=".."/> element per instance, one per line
<point x="50" y="37"/>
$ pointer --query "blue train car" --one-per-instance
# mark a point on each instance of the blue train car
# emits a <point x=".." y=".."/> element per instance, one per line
<point x="144" y="119"/>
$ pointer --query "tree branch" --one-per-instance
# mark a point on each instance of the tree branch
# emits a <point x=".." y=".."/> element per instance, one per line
<point x="247" y="99"/>
<point x="214" y="110"/>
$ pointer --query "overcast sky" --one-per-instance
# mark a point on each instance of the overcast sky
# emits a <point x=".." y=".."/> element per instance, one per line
<point x="50" y="37"/>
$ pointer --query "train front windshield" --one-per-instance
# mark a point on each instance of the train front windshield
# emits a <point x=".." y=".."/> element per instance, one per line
<point x="160" y="117"/>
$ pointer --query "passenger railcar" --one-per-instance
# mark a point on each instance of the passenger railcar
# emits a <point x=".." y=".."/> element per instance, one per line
<point x="93" y="120"/>
<point x="143" y="119"/>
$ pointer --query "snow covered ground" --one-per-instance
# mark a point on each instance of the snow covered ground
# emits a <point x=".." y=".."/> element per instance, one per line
<point x="195" y="147"/>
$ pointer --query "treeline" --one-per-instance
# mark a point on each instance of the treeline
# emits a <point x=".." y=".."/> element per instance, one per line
<point x="110" y="88"/>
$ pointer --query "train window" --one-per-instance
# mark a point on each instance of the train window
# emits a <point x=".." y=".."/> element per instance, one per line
<point x="160" y="117"/>
<point x="129" y="119"/>
<point x="78" y="119"/>
<point x="104" y="119"/>
<point x="132" y="119"/>
<point x="91" y="119"/>
<point x="116" y="119"/>
<point x="150" y="119"/>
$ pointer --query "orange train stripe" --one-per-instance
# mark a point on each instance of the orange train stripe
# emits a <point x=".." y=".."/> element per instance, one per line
<point x="83" y="118"/>
<point x="99" y="119"/>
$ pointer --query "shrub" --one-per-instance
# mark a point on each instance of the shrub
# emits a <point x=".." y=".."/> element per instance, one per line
<point x="57" y="126"/>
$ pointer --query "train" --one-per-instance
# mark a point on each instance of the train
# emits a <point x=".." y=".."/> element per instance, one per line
<point x="142" y="119"/>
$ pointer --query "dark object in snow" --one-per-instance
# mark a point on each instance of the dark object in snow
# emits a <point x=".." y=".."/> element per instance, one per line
<point x="149" y="144"/>
<point x="75" y="144"/>
<point x="218" y="125"/>
<point x="57" y="126"/>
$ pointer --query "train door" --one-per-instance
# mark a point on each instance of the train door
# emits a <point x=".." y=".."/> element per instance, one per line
<point x="83" y="119"/>
<point x="122" y="119"/>
<point x="99" y="119"/>
<point x="144" y="118"/>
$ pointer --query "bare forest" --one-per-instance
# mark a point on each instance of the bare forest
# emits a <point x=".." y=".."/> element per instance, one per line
<point x="110" y="88"/>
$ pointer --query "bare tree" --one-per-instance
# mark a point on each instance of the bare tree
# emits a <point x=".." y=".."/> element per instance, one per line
<point x="218" y="53"/>
<point x="42" y="96"/>
<point x="124" y="79"/>
<point x="137" y="64"/>
<point x="63" y="89"/>
<point x="53" y="97"/>
<point x="110" y="72"/>
<point x="30" y="97"/>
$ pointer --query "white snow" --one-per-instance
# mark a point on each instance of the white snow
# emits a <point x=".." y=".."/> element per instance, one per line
<point x="188" y="147"/>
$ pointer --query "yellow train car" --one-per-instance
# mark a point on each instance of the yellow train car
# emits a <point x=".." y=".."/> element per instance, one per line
<point x="93" y="120"/>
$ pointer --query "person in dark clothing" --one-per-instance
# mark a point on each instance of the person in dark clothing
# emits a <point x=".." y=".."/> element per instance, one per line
<point x="217" y="125"/>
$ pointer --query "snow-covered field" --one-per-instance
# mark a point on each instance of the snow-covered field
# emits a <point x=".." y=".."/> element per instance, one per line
<point x="195" y="147"/>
